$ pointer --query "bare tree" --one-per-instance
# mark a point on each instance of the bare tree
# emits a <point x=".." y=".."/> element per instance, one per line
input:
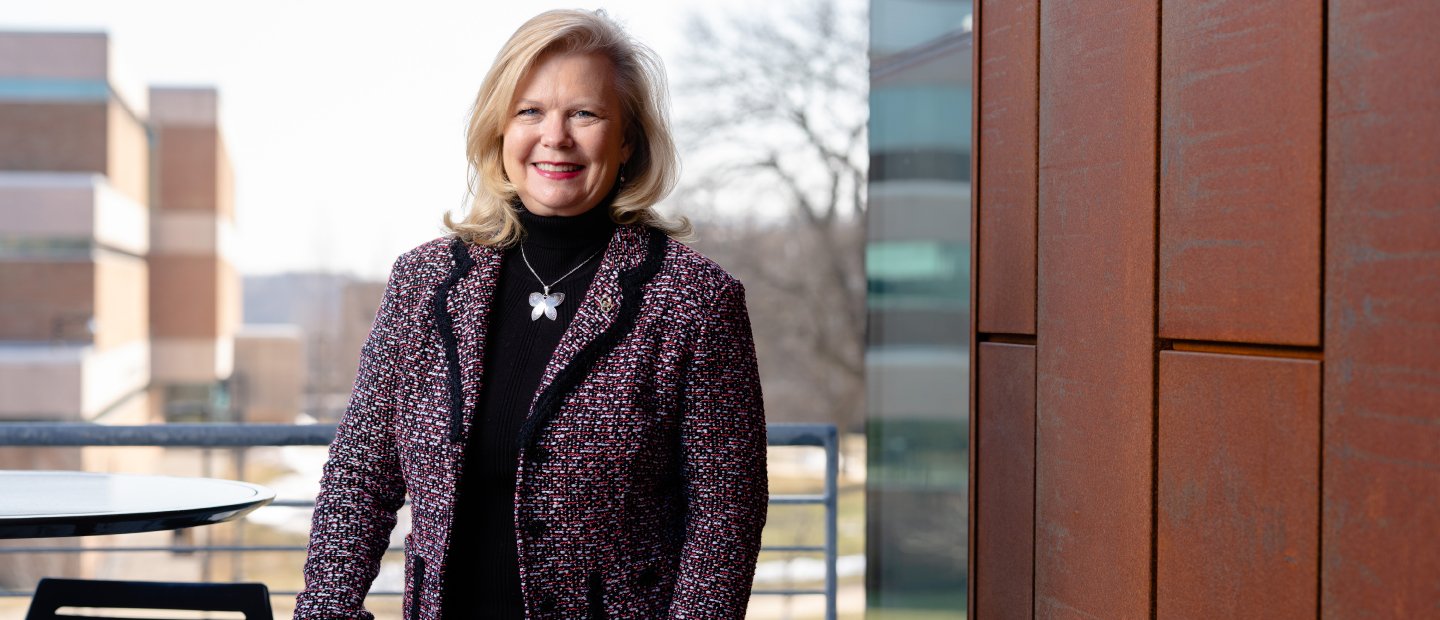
<point x="772" y="109"/>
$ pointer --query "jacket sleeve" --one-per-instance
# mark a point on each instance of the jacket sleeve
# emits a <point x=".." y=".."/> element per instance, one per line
<point x="723" y="451"/>
<point x="361" y="487"/>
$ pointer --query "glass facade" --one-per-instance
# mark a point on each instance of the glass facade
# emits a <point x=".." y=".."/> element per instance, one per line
<point x="918" y="271"/>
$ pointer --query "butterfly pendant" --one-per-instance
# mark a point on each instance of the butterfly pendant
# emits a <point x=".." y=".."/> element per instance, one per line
<point x="542" y="303"/>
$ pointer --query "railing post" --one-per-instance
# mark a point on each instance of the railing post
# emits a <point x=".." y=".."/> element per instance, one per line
<point x="832" y="514"/>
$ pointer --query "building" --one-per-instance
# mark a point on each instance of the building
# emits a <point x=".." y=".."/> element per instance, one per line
<point x="270" y="374"/>
<point x="918" y="273"/>
<point x="120" y="293"/>
<point x="118" y="298"/>
<point x="74" y="234"/>
<point x="194" y="288"/>
<point x="75" y="193"/>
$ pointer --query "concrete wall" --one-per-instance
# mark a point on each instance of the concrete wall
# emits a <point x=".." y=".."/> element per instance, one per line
<point x="1207" y="381"/>
<point x="121" y="300"/>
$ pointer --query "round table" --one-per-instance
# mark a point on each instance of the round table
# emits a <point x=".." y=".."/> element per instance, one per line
<point x="46" y="504"/>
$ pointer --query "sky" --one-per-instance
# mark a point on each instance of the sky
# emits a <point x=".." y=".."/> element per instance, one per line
<point x="344" y="120"/>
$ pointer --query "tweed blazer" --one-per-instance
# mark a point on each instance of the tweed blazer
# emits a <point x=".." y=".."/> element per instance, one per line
<point x="640" y="488"/>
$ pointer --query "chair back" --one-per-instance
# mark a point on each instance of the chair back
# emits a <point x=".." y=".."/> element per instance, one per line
<point x="251" y="599"/>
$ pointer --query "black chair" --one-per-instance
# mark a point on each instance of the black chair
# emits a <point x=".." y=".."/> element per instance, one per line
<point x="251" y="599"/>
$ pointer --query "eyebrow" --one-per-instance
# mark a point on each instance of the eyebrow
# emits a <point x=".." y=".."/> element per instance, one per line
<point x="583" y="103"/>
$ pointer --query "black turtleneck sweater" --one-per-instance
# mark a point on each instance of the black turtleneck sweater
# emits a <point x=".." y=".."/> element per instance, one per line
<point x="483" y="577"/>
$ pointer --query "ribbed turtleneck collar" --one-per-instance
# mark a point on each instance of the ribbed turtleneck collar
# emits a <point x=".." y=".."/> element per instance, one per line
<point x="576" y="231"/>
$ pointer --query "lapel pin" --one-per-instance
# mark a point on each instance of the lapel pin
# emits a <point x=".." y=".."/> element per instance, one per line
<point x="605" y="303"/>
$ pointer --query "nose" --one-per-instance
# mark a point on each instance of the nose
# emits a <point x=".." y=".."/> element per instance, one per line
<point x="555" y="133"/>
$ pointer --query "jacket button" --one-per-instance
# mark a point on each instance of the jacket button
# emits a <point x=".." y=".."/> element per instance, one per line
<point x="538" y="454"/>
<point x="536" y="528"/>
<point x="547" y="604"/>
<point x="648" y="577"/>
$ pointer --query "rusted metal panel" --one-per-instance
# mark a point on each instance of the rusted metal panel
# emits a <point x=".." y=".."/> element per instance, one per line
<point x="1239" y="487"/>
<point x="1381" y="520"/>
<point x="1240" y="171"/>
<point x="1006" y="481"/>
<point x="1007" y="173"/>
<point x="1095" y="308"/>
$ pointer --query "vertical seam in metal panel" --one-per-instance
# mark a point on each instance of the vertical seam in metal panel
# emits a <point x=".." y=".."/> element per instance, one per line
<point x="1324" y="103"/>
<point x="1320" y="424"/>
<point x="1035" y="350"/>
<point x="1155" y="330"/>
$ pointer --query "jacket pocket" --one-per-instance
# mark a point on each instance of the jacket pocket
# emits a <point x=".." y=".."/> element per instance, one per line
<point x="417" y="580"/>
<point x="597" y="596"/>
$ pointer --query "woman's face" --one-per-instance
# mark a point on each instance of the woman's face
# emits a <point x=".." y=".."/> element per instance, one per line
<point x="564" y="142"/>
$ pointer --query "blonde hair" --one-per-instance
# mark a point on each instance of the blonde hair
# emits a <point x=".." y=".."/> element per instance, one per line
<point x="653" y="167"/>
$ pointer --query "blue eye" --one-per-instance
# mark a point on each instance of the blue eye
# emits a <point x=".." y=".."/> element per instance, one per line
<point x="527" y="111"/>
<point x="586" y="114"/>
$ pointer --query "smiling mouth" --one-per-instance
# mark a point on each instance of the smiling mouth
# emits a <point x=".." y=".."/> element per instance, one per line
<point x="549" y="167"/>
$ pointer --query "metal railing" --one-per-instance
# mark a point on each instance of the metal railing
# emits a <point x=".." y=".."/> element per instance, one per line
<point x="239" y="436"/>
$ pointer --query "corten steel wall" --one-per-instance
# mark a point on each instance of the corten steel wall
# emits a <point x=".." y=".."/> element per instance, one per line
<point x="1207" y="294"/>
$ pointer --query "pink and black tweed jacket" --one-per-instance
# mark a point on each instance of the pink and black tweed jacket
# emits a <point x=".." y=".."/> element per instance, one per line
<point x="641" y="486"/>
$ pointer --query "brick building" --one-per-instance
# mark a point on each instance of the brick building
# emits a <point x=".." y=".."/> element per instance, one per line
<point x="75" y="193"/>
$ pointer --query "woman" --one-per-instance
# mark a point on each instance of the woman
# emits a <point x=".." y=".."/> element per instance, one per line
<point x="568" y="396"/>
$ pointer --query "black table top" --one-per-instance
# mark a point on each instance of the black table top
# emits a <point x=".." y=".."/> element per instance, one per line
<point x="45" y="504"/>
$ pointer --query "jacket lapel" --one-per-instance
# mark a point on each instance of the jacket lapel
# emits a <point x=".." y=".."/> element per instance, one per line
<point x="601" y="303"/>
<point x="471" y="296"/>
<point x="638" y="255"/>
<point x="469" y="303"/>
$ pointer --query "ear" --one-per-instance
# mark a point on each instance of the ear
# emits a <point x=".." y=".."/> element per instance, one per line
<point x="632" y="137"/>
<point x="626" y="149"/>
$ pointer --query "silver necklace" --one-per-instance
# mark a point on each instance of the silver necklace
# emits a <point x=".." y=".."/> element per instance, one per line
<point x="544" y="302"/>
